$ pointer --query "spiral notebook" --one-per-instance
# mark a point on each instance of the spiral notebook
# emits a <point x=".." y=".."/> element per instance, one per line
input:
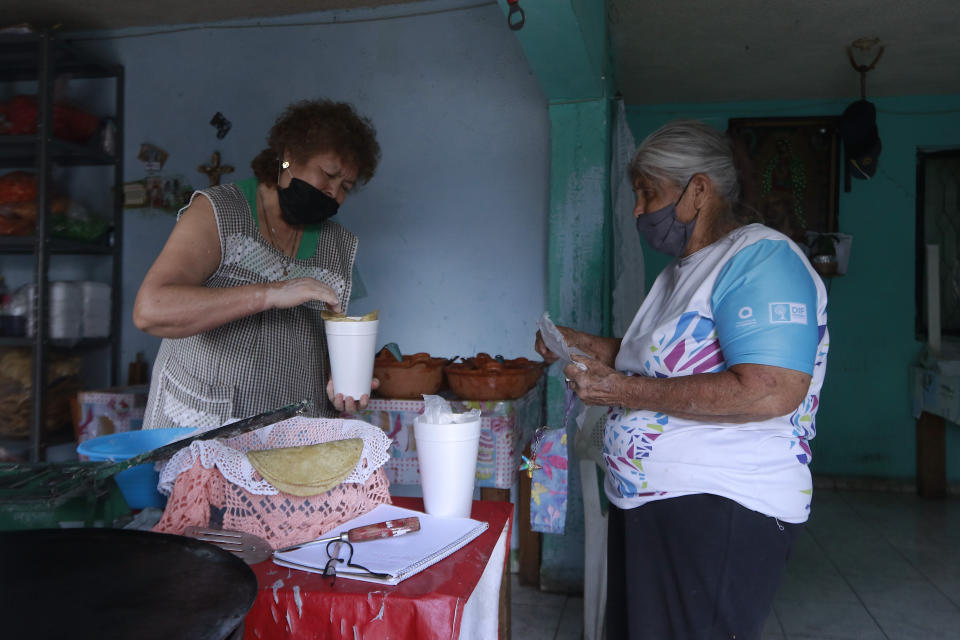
<point x="399" y="557"/>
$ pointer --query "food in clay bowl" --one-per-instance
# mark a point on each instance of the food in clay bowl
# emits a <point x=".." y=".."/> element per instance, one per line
<point x="409" y="378"/>
<point x="486" y="378"/>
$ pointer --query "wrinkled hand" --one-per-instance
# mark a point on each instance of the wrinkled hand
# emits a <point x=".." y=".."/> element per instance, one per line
<point x="291" y="293"/>
<point x="541" y="347"/>
<point x="348" y="404"/>
<point x="597" y="384"/>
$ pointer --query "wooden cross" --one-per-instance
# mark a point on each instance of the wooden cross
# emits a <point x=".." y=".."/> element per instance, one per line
<point x="214" y="170"/>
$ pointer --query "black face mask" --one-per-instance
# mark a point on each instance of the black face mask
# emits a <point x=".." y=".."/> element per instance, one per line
<point x="302" y="203"/>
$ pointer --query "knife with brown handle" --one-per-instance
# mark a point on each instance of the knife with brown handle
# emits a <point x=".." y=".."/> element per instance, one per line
<point x="386" y="529"/>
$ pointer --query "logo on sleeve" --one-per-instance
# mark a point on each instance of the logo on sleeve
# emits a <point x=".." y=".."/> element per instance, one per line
<point x="746" y="318"/>
<point x="788" y="313"/>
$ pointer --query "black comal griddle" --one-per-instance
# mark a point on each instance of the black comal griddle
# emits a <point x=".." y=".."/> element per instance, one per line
<point x="119" y="583"/>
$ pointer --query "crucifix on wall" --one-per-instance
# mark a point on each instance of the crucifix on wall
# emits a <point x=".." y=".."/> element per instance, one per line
<point x="214" y="170"/>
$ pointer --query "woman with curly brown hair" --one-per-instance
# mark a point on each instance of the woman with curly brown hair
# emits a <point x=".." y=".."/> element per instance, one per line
<point x="238" y="289"/>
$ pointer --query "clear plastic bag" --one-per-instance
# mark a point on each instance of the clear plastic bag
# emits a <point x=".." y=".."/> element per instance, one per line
<point x="437" y="410"/>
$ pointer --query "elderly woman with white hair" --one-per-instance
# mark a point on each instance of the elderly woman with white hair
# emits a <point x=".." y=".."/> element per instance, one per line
<point x="713" y="391"/>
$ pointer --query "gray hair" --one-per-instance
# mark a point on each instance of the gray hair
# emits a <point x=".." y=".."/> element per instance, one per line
<point x="679" y="149"/>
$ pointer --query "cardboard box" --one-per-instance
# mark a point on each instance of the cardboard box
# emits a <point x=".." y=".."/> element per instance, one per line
<point x="113" y="410"/>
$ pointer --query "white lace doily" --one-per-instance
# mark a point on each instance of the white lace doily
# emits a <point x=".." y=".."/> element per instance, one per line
<point x="229" y="455"/>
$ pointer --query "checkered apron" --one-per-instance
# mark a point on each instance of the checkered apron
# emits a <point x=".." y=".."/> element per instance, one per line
<point x="263" y="361"/>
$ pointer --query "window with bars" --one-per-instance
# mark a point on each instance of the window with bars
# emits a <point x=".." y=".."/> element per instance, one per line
<point x="938" y="222"/>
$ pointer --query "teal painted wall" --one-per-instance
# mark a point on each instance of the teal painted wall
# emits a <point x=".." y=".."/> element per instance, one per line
<point x="578" y="291"/>
<point x="864" y="425"/>
<point x="565" y="43"/>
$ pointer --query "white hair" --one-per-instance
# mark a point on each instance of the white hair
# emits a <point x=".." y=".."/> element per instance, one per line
<point x="680" y="149"/>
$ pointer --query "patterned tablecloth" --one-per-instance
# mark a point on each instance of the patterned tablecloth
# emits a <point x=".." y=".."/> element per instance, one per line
<point x="506" y="426"/>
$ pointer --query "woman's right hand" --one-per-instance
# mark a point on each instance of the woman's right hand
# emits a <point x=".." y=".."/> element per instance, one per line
<point x="603" y="349"/>
<point x="541" y="347"/>
<point x="291" y="293"/>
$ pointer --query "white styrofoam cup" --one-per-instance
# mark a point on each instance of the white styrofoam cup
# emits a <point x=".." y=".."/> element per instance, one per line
<point x="447" y="454"/>
<point x="352" y="347"/>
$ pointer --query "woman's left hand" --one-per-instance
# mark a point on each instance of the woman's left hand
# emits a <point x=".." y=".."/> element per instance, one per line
<point x="348" y="404"/>
<point x="596" y="385"/>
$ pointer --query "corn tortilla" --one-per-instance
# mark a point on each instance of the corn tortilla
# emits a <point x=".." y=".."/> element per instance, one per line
<point x="339" y="317"/>
<point x="309" y="469"/>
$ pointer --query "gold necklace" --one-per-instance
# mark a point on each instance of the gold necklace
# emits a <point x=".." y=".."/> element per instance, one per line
<point x="288" y="251"/>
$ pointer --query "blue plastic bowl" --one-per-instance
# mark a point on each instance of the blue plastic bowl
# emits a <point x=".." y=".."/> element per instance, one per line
<point x="137" y="484"/>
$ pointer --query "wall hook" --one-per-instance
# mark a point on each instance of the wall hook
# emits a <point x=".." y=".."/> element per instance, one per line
<point x="515" y="23"/>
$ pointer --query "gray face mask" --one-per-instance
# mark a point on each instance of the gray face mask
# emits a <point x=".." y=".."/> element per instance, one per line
<point x="663" y="231"/>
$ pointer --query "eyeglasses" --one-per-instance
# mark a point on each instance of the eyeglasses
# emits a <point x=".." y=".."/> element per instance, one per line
<point x="341" y="552"/>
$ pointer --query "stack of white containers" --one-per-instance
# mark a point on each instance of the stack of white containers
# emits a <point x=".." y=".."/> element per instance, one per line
<point x="66" y="303"/>
<point x="77" y="310"/>
<point x="96" y="309"/>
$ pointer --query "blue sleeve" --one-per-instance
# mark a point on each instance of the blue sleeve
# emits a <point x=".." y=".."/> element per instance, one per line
<point x="765" y="308"/>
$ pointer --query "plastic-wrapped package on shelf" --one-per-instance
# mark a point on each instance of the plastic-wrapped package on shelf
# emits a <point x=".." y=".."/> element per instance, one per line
<point x="18" y="212"/>
<point x="21" y="116"/>
<point x="16" y="391"/>
<point x="68" y="218"/>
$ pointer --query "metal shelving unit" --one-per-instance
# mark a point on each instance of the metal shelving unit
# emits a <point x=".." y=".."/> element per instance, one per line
<point x="43" y="58"/>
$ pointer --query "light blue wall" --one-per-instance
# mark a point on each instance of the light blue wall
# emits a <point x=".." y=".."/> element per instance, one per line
<point x="453" y="227"/>
<point x="864" y="424"/>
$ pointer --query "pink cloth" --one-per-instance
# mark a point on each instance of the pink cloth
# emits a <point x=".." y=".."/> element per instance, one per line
<point x="203" y="497"/>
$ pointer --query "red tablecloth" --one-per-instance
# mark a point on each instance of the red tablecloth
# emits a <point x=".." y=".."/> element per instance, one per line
<point x="299" y="604"/>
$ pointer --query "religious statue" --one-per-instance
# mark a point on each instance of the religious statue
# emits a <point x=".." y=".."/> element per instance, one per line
<point x="214" y="170"/>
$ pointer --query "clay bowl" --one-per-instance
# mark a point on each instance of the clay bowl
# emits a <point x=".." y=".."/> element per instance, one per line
<point x="485" y="378"/>
<point x="416" y="375"/>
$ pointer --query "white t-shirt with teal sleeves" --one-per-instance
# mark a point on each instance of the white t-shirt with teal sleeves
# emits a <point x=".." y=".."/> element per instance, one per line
<point x="751" y="297"/>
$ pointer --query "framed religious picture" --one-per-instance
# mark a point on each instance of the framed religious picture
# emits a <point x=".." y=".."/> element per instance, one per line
<point x="790" y="171"/>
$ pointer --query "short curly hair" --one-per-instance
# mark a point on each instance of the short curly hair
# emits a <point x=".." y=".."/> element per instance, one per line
<point x="309" y="127"/>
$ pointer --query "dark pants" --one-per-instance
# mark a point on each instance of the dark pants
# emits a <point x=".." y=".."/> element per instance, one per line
<point x="697" y="567"/>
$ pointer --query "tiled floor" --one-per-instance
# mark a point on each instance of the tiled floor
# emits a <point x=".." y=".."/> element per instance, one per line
<point x="535" y="615"/>
<point x="870" y="565"/>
